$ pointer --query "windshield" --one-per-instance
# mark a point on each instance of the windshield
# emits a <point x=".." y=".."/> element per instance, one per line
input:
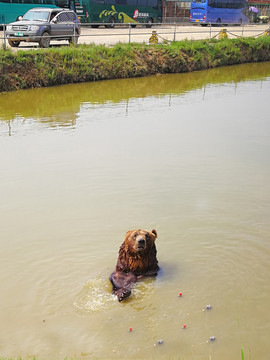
<point x="37" y="15"/>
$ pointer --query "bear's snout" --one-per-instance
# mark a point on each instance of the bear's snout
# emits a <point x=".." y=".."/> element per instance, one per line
<point x="140" y="244"/>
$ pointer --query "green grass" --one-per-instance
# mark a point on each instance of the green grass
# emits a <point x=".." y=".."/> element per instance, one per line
<point x="46" y="67"/>
<point x="242" y="353"/>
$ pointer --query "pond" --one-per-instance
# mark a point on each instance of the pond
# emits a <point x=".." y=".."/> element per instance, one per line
<point x="187" y="155"/>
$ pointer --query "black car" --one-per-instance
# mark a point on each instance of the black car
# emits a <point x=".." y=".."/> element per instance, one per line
<point x="43" y="25"/>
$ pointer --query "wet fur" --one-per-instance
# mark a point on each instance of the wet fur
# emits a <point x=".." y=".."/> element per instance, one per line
<point x="135" y="260"/>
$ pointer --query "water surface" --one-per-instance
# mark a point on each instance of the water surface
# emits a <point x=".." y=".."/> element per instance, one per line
<point x="185" y="154"/>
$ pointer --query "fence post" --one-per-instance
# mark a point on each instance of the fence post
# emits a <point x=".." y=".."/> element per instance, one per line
<point x="174" y="34"/>
<point x="210" y="35"/>
<point x="129" y="33"/>
<point x="5" y="39"/>
<point x="74" y="34"/>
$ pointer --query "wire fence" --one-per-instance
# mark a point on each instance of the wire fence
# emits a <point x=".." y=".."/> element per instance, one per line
<point x="158" y="33"/>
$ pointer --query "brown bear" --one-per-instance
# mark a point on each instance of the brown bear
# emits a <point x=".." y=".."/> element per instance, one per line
<point x="136" y="258"/>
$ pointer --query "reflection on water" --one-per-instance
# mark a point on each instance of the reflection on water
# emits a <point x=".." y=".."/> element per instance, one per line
<point x="185" y="154"/>
<point x="59" y="106"/>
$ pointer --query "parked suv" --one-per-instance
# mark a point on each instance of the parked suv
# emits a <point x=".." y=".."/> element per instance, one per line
<point x="43" y="25"/>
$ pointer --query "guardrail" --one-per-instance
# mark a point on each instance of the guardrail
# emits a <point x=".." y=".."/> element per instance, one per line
<point x="165" y="33"/>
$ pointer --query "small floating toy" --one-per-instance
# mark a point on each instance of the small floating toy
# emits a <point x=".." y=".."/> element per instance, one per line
<point x="208" y="307"/>
<point x="180" y="294"/>
<point x="130" y="329"/>
<point x="184" y="326"/>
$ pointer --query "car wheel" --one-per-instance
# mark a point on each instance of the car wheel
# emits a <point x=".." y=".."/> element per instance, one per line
<point x="111" y="23"/>
<point x="218" y="22"/>
<point x="45" y="39"/>
<point x="74" y="40"/>
<point x="13" y="43"/>
<point x="149" y="23"/>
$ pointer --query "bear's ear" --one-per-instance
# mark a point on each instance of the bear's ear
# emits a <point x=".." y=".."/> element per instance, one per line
<point x="154" y="232"/>
<point x="128" y="234"/>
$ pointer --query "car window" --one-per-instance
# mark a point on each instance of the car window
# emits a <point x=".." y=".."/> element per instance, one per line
<point x="71" y="16"/>
<point x="63" y="17"/>
<point x="53" y="14"/>
<point x="36" y="15"/>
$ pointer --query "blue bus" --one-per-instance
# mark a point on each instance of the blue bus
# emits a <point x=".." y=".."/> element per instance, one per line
<point x="218" y="11"/>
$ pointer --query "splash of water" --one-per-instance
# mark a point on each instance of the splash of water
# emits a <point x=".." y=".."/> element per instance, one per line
<point x="96" y="295"/>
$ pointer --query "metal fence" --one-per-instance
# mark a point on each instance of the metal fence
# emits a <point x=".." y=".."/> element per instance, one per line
<point x="158" y="33"/>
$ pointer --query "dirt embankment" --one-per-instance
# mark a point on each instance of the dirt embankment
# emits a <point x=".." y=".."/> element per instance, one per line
<point x="48" y="67"/>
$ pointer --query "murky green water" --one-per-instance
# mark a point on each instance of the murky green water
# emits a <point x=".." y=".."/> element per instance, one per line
<point x="80" y="165"/>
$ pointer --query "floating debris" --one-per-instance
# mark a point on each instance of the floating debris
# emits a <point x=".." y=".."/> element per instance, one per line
<point x="160" y="342"/>
<point x="180" y="294"/>
<point x="130" y="329"/>
<point x="212" y="338"/>
<point x="184" y="326"/>
<point x="208" y="307"/>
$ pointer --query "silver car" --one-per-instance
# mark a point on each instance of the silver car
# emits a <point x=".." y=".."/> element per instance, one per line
<point x="43" y="25"/>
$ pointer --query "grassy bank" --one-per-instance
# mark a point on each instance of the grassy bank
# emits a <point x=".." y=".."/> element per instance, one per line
<point x="54" y="66"/>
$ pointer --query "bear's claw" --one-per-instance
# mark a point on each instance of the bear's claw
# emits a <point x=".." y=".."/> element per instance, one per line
<point x="122" y="294"/>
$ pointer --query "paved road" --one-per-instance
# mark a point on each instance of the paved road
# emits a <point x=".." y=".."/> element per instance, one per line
<point x="164" y="32"/>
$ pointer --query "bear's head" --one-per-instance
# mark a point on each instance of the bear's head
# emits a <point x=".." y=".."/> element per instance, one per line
<point x="140" y="241"/>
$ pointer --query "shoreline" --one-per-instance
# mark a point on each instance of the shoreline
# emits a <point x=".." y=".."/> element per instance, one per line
<point x="85" y="63"/>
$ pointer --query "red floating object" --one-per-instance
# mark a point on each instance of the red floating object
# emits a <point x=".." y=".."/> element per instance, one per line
<point x="184" y="326"/>
<point x="180" y="294"/>
<point x="130" y="329"/>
